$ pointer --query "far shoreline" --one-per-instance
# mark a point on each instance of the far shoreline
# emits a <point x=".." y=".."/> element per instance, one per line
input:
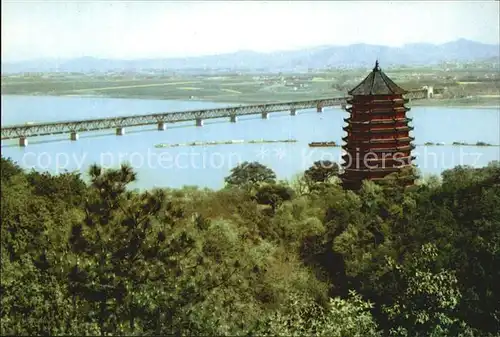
<point x="436" y="103"/>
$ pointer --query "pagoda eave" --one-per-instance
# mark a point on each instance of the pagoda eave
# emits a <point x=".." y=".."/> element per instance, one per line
<point x="350" y="148"/>
<point x="379" y="141"/>
<point x="390" y="102"/>
<point x="370" y="109"/>
<point x="379" y="121"/>
<point x="406" y="159"/>
<point x="374" y="170"/>
<point x="379" y="130"/>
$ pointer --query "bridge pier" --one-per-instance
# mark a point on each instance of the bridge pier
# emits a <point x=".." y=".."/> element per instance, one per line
<point x="199" y="122"/>
<point x="73" y="136"/>
<point x="293" y="112"/>
<point x="120" y="131"/>
<point x="161" y="126"/>
<point x="319" y="108"/>
<point x="23" y="141"/>
<point x="343" y="105"/>
<point x="233" y="118"/>
<point x="265" y="115"/>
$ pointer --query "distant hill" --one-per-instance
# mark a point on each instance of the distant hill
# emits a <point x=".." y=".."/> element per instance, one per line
<point x="356" y="55"/>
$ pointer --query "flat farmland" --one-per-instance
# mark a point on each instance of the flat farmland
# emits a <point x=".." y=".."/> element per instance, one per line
<point x="459" y="87"/>
<point x="217" y="88"/>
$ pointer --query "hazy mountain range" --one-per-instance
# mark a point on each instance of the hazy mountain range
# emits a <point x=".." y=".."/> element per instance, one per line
<point x="356" y="55"/>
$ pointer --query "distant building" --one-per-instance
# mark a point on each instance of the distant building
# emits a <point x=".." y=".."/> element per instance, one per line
<point x="378" y="138"/>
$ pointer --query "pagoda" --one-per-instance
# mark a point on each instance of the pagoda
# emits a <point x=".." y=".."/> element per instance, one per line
<point x="378" y="139"/>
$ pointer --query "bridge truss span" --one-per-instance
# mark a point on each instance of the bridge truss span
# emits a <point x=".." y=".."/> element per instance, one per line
<point x="24" y="131"/>
<point x="41" y="129"/>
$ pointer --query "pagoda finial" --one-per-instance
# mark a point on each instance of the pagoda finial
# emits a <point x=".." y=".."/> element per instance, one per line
<point x="376" y="68"/>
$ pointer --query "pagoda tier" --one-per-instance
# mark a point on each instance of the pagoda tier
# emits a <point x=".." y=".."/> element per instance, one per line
<point x="380" y="148"/>
<point x="378" y="140"/>
<point x="356" y="182"/>
<point x="353" y="179"/>
<point x="397" y="130"/>
<point x="374" y="121"/>
<point x="381" y="162"/>
<point x="374" y="172"/>
<point x="389" y="101"/>
<point x="379" y="110"/>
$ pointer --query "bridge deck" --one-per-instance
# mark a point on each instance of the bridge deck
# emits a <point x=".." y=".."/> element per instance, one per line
<point x="41" y="129"/>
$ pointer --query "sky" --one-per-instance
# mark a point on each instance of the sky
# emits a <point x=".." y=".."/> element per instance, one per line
<point x="158" y="29"/>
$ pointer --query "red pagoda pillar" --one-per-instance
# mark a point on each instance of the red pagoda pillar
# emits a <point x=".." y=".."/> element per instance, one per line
<point x="378" y="139"/>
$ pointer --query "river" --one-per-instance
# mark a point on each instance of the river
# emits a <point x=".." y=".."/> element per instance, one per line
<point x="206" y="166"/>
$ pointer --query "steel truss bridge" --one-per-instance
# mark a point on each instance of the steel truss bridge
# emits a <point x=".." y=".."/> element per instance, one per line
<point x="23" y="131"/>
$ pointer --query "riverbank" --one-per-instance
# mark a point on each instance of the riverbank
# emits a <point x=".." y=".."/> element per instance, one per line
<point x="473" y="102"/>
<point x="470" y="103"/>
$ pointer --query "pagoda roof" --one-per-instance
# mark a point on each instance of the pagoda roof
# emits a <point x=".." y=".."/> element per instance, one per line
<point x="377" y="83"/>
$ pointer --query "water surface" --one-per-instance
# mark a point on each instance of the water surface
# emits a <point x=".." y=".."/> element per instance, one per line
<point x="208" y="165"/>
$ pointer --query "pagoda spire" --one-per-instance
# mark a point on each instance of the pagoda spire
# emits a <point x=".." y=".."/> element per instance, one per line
<point x="377" y="83"/>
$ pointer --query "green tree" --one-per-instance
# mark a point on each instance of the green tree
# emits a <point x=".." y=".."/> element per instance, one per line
<point x="301" y="316"/>
<point x="322" y="171"/>
<point x="428" y="300"/>
<point x="8" y="169"/>
<point x="67" y="188"/>
<point x="146" y="265"/>
<point x="98" y="258"/>
<point x="250" y="174"/>
<point x="273" y="195"/>
<point x="470" y="242"/>
<point x="33" y="230"/>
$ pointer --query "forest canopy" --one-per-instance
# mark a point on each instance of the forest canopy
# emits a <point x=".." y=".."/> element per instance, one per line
<point x="259" y="257"/>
